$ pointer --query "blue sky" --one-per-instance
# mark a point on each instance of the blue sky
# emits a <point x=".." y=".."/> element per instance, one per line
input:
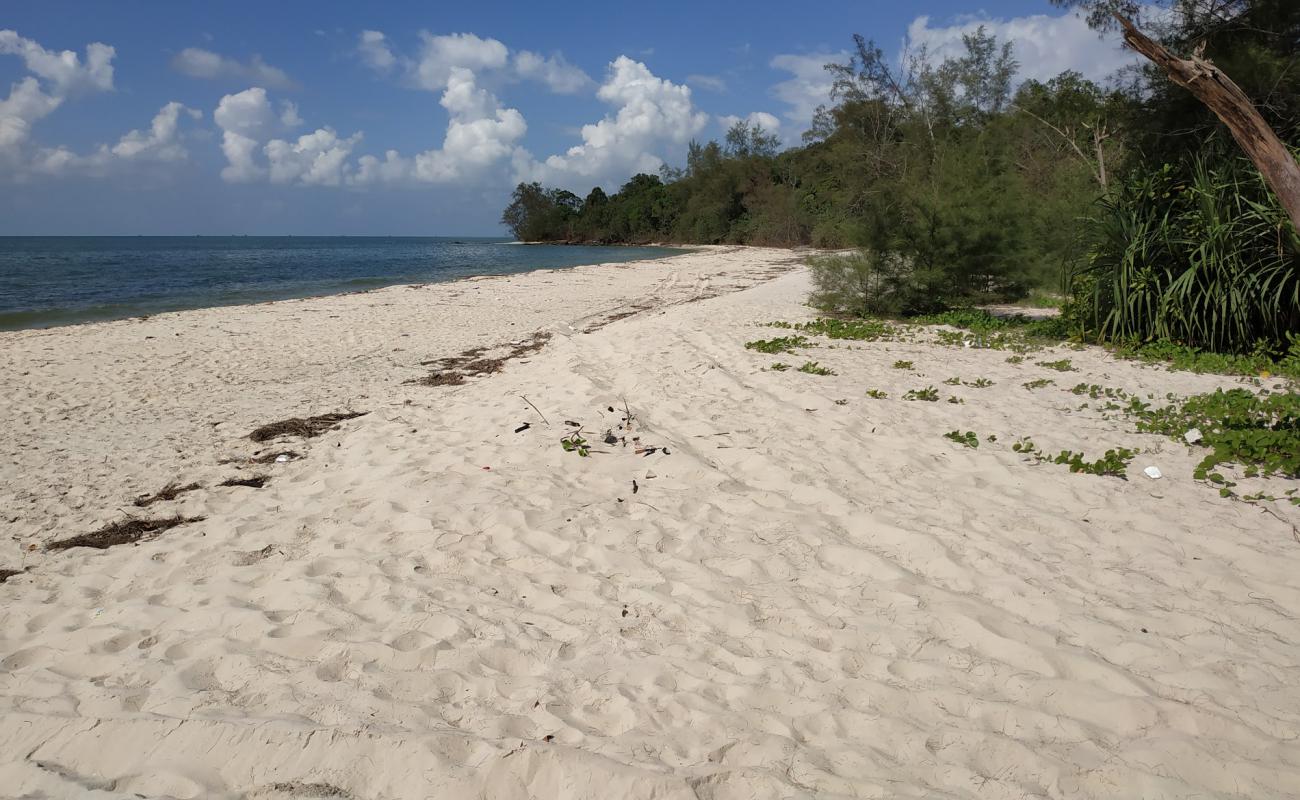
<point x="409" y="118"/>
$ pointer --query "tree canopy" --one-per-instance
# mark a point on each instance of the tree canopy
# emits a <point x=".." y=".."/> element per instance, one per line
<point x="957" y="184"/>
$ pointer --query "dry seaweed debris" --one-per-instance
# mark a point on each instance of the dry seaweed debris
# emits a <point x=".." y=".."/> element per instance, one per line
<point x="6" y="574"/>
<point x="306" y="427"/>
<point x="168" y="492"/>
<point x="312" y="791"/>
<point x="253" y="482"/>
<point x="127" y="531"/>
<point x="616" y="316"/>
<point x="530" y="346"/>
<point x="453" y="370"/>
<point x="439" y="379"/>
<point x="452" y="362"/>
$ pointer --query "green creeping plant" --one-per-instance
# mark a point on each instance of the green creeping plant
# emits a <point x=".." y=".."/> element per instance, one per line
<point x="1063" y="365"/>
<point x="573" y="443"/>
<point x="1114" y="463"/>
<point x="782" y="344"/>
<point x="900" y="364"/>
<point x="813" y="368"/>
<point x="862" y="330"/>
<point x="1261" y="433"/>
<point x="1096" y="391"/>
<point x="929" y="394"/>
<point x="968" y="438"/>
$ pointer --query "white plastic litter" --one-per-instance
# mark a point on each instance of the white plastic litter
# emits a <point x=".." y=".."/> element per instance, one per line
<point x="1153" y="473"/>
<point x="283" y="457"/>
<point x="1193" y="436"/>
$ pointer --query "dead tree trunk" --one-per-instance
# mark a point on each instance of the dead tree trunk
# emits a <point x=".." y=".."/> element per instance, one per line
<point x="1231" y="105"/>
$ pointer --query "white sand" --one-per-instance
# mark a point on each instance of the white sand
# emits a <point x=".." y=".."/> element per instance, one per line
<point x="802" y="599"/>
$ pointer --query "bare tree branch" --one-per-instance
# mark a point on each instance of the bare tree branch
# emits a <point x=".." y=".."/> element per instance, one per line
<point x="1231" y="105"/>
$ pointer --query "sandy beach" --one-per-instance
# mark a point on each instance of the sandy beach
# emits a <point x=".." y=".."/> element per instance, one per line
<point x="765" y="584"/>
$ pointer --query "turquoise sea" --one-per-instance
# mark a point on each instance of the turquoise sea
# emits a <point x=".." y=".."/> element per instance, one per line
<point x="62" y="280"/>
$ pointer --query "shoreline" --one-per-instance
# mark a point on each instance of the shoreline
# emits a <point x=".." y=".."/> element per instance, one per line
<point x="758" y="582"/>
<point x="109" y="382"/>
<point x="686" y="249"/>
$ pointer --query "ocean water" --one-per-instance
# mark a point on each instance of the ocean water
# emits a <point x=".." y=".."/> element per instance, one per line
<point x="61" y="280"/>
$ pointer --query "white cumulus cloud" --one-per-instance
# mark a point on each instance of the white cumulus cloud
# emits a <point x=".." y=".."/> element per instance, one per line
<point x="289" y="117"/>
<point x="480" y="133"/>
<point x="25" y="105"/>
<point x="248" y="122"/>
<point x="55" y="77"/>
<point x="554" y="71"/>
<point x="711" y="82"/>
<point x="63" y="70"/>
<point x="241" y="157"/>
<point x="483" y="138"/>
<point x="1044" y="45"/>
<point x="372" y="46"/>
<point x="809" y="84"/>
<point x="318" y="158"/>
<point x="247" y="113"/>
<point x="439" y="55"/>
<point x="651" y="113"/>
<point x="757" y="119"/>
<point x="199" y="63"/>
<point x="244" y="118"/>
<point x="161" y="142"/>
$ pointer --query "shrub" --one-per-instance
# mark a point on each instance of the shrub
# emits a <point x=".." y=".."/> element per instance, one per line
<point x="1203" y="256"/>
<point x="864" y="284"/>
<point x="954" y="222"/>
<point x="830" y="234"/>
